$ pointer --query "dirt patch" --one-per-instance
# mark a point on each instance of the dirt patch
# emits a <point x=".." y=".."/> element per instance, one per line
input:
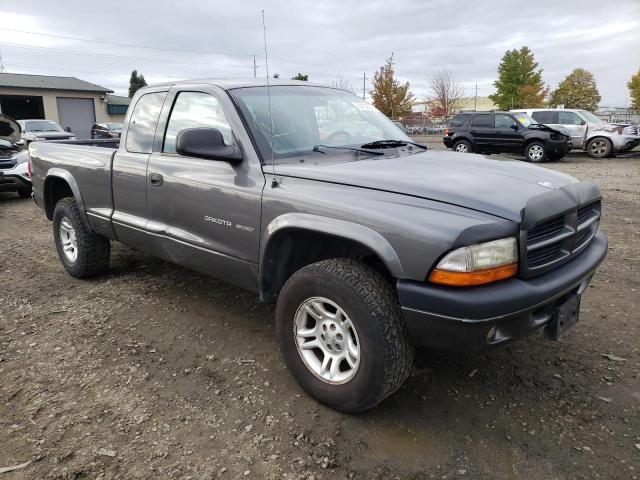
<point x="154" y="371"/>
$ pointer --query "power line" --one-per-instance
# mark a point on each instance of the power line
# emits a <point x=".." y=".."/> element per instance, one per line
<point x="131" y="45"/>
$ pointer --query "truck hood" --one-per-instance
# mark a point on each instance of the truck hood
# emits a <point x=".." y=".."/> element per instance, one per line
<point x="497" y="187"/>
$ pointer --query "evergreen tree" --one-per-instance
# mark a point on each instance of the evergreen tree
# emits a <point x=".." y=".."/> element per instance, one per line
<point x="136" y="82"/>
<point x="519" y="83"/>
<point x="300" y="76"/>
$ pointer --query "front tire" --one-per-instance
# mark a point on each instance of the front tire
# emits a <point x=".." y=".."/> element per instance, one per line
<point x="536" y="152"/>
<point x="82" y="252"/>
<point x="599" y="147"/>
<point x="342" y="334"/>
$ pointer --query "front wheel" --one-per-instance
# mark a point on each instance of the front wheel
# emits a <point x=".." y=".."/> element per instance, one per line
<point x="536" y="152"/>
<point x="342" y="335"/>
<point x="599" y="147"/>
<point x="82" y="252"/>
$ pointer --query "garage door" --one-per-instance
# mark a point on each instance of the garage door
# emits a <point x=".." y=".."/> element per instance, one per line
<point x="77" y="114"/>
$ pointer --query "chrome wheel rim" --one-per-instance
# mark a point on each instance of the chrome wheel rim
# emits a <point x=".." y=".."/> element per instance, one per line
<point x="462" y="148"/>
<point x="536" y="152"/>
<point x="326" y="340"/>
<point x="68" y="240"/>
<point x="599" y="147"/>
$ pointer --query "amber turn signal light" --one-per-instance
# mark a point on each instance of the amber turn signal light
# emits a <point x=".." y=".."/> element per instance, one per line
<point x="479" y="277"/>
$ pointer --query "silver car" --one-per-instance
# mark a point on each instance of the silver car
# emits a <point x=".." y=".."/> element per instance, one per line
<point x="588" y="132"/>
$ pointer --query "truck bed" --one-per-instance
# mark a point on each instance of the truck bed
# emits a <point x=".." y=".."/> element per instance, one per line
<point x="87" y="163"/>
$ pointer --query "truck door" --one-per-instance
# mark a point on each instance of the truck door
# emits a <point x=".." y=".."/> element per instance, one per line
<point x="129" y="170"/>
<point x="205" y="213"/>
<point x="482" y="132"/>
<point x="509" y="136"/>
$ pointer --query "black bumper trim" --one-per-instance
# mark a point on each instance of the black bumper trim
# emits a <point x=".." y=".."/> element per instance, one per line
<point x="461" y="319"/>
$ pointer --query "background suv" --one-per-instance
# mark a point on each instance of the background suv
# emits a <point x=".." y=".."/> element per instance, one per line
<point x="106" y="130"/>
<point x="588" y="132"/>
<point x="505" y="132"/>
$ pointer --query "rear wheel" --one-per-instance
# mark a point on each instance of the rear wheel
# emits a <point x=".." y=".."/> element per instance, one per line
<point x="463" y="146"/>
<point x="599" y="147"/>
<point x="536" y="152"/>
<point x="82" y="252"/>
<point x="342" y="335"/>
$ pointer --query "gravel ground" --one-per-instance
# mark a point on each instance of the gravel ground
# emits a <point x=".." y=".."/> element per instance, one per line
<point x="154" y="371"/>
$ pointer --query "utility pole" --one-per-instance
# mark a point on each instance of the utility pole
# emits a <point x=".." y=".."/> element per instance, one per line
<point x="364" y="84"/>
<point x="255" y="67"/>
<point x="475" y="101"/>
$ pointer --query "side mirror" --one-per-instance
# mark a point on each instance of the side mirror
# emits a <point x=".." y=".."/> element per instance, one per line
<point x="205" y="143"/>
<point x="514" y="127"/>
<point x="68" y="129"/>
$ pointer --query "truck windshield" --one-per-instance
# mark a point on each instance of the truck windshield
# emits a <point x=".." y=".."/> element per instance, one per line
<point x="43" y="126"/>
<point x="305" y="117"/>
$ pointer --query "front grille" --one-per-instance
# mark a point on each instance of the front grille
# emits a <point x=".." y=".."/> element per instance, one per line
<point x="553" y="241"/>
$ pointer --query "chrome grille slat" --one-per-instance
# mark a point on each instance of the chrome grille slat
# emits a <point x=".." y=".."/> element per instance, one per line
<point x="555" y="240"/>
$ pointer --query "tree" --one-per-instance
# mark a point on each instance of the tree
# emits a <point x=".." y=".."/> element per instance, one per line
<point x="445" y="93"/>
<point x="300" y="76"/>
<point x="136" y="82"/>
<point x="341" y="83"/>
<point x="634" y="90"/>
<point x="519" y="83"/>
<point x="577" y="90"/>
<point x="388" y="95"/>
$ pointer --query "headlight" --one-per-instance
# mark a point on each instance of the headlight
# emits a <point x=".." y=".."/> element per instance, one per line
<point x="478" y="264"/>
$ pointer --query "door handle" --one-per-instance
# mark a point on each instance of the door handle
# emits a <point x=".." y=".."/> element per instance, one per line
<point x="155" y="179"/>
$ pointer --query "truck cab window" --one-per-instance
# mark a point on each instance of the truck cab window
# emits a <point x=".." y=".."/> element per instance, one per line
<point x="143" y="121"/>
<point x="195" y="110"/>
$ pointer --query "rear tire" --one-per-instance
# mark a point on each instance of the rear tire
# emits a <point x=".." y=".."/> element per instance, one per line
<point x="359" y="308"/>
<point x="463" y="146"/>
<point x="535" y="152"/>
<point x="599" y="147"/>
<point x="82" y="252"/>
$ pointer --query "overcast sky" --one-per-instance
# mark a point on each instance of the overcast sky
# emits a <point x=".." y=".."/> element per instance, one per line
<point x="325" y="39"/>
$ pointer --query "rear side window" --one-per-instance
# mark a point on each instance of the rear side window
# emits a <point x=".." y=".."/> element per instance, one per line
<point x="483" y="120"/>
<point x="569" y="118"/>
<point x="143" y="121"/>
<point x="195" y="110"/>
<point x="459" y="120"/>
<point x="545" y="117"/>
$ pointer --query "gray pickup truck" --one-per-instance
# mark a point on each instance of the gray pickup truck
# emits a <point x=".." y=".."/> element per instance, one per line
<point x="368" y="243"/>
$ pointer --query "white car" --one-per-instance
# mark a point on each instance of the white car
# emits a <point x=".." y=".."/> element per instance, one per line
<point x="588" y="132"/>
<point x="14" y="161"/>
<point x="37" y="130"/>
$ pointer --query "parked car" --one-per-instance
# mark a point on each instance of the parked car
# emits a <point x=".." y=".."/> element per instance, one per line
<point x="33" y="130"/>
<point x="106" y="130"/>
<point x="368" y="244"/>
<point x="505" y="132"/>
<point x="588" y="132"/>
<point x="14" y="165"/>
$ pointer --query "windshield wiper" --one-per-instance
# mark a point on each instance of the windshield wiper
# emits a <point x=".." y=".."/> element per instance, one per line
<point x="392" y="143"/>
<point x="353" y="149"/>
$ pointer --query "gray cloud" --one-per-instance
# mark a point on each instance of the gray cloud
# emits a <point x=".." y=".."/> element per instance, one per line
<point x="324" y="39"/>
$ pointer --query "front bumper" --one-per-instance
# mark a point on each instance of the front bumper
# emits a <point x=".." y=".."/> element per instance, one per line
<point x="625" y="142"/>
<point x="558" y="147"/>
<point x="475" y="318"/>
<point x="16" y="178"/>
